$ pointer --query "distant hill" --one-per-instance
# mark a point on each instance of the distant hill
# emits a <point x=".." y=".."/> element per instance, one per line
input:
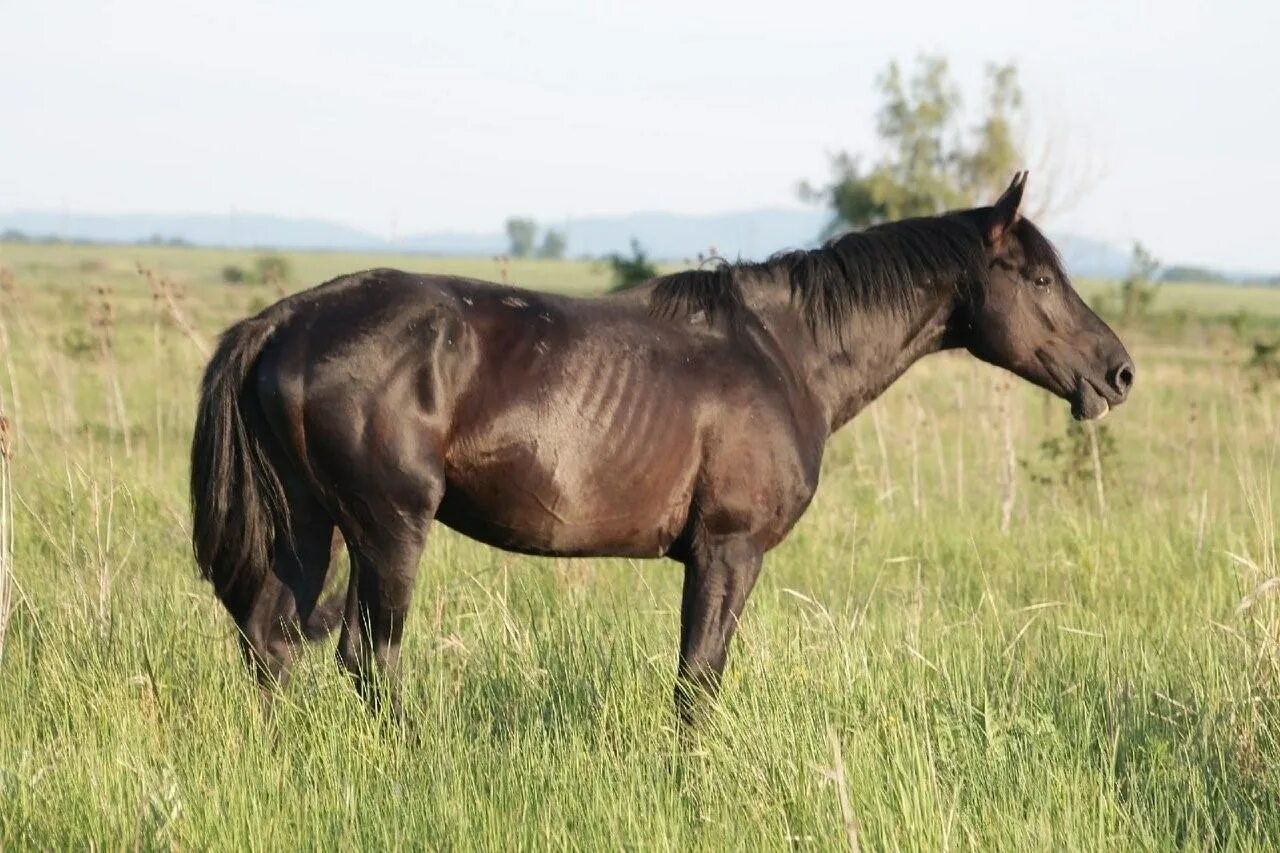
<point x="202" y="229"/>
<point x="1088" y="258"/>
<point x="746" y="234"/>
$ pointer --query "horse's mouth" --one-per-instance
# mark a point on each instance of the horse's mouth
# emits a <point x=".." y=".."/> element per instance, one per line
<point x="1087" y="404"/>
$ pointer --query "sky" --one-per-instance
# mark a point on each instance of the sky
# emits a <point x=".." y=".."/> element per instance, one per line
<point x="416" y="116"/>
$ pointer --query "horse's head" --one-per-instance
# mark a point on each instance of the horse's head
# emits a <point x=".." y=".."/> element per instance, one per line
<point x="1027" y="318"/>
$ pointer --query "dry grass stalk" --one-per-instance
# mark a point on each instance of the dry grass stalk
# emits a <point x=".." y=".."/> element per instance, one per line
<point x="837" y="775"/>
<point x="6" y="348"/>
<point x="8" y="291"/>
<point x="1009" y="468"/>
<point x="102" y="320"/>
<point x="1216" y="432"/>
<point x="887" y="482"/>
<point x="1202" y="520"/>
<point x="6" y="528"/>
<point x="959" y="452"/>
<point x="917" y="419"/>
<point x="167" y="299"/>
<point x="275" y="281"/>
<point x="1092" y="429"/>
<point x="1258" y="559"/>
<point x="159" y="344"/>
<point x="1190" y="450"/>
<point x="102" y="529"/>
<point x="54" y="385"/>
<point x="940" y="456"/>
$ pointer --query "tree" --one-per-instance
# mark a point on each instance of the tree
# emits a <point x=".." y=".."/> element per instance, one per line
<point x="1138" y="289"/>
<point x="553" y="245"/>
<point x="931" y="163"/>
<point x="521" y="233"/>
<point x="996" y="153"/>
<point x="630" y="271"/>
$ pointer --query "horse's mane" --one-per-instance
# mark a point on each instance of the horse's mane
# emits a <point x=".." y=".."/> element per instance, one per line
<point x="884" y="266"/>
<point x="1038" y="250"/>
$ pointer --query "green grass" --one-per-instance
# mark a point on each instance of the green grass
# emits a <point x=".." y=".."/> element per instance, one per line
<point x="1086" y="679"/>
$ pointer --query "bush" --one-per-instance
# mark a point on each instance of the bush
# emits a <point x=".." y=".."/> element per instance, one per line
<point x="1138" y="290"/>
<point x="1263" y="365"/>
<point x="271" y="269"/>
<point x="628" y="272"/>
<point x="233" y="274"/>
<point x="1066" y="461"/>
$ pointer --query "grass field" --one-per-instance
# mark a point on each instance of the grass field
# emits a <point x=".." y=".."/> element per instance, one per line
<point x="991" y="630"/>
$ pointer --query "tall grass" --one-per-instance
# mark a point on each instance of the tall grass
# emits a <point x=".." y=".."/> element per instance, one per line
<point x="977" y="637"/>
<point x="6" y="528"/>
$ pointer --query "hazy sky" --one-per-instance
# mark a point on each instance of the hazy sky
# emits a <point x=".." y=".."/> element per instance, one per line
<point x="421" y="115"/>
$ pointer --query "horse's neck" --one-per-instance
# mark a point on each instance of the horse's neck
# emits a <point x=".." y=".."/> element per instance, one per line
<point x="878" y="346"/>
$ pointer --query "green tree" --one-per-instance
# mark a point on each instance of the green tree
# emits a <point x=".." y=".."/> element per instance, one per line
<point x="521" y="234"/>
<point x="553" y="245"/>
<point x="1138" y="289"/>
<point x="931" y="162"/>
<point x="633" y="270"/>
<point x="995" y="153"/>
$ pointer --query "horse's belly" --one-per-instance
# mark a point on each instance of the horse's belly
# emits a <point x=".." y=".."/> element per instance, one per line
<point x="533" y="523"/>
<point x="591" y="509"/>
<point x="578" y="452"/>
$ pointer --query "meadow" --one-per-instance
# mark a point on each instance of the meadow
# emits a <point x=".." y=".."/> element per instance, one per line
<point x="994" y="629"/>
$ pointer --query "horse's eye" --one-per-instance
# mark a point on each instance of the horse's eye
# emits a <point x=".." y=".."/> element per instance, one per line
<point x="1042" y="281"/>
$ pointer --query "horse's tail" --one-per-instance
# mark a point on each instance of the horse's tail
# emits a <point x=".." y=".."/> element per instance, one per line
<point x="237" y="500"/>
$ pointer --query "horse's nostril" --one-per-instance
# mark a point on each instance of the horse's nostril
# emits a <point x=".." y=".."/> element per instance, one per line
<point x="1122" y="379"/>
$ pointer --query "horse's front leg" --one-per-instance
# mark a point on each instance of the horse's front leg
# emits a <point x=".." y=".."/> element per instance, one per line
<point x="718" y="577"/>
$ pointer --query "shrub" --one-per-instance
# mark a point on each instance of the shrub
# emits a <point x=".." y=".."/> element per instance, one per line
<point x="1066" y="461"/>
<point x="1263" y="365"/>
<point x="630" y="271"/>
<point x="1138" y="290"/>
<point x="272" y="269"/>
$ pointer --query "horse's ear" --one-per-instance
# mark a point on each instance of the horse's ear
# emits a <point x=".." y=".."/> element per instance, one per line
<point x="1004" y="213"/>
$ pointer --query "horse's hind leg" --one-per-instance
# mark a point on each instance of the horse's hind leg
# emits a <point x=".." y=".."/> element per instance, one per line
<point x="383" y="573"/>
<point x="284" y="609"/>
<point x="328" y="614"/>
<point x="384" y="568"/>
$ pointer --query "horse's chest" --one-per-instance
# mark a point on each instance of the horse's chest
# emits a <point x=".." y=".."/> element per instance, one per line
<point x="758" y="482"/>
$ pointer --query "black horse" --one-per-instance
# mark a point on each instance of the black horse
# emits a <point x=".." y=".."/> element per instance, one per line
<point x="685" y="418"/>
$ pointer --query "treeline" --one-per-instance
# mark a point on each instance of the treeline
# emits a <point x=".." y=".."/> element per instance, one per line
<point x="522" y="239"/>
<point x="1204" y="275"/>
<point x="13" y="235"/>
